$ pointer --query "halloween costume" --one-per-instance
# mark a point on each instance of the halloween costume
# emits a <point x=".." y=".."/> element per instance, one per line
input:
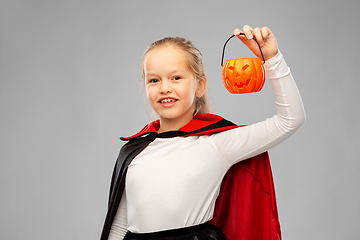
<point x="173" y="178"/>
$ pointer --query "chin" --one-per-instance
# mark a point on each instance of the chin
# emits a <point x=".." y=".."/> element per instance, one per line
<point x="169" y="116"/>
<point x="176" y="114"/>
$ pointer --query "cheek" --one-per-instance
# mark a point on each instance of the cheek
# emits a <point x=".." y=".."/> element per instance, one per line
<point x="149" y="93"/>
<point x="191" y="91"/>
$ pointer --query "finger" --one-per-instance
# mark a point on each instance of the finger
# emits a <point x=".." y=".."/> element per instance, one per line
<point x="265" y="32"/>
<point x="248" y="31"/>
<point x="240" y="35"/>
<point x="258" y="36"/>
<point x="237" y="32"/>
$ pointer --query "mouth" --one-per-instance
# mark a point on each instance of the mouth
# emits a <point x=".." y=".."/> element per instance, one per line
<point x="167" y="100"/>
<point x="241" y="84"/>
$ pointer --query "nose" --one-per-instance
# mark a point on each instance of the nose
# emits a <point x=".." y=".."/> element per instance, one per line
<point x="165" y="87"/>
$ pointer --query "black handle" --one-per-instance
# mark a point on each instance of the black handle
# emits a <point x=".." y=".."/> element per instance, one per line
<point x="222" y="58"/>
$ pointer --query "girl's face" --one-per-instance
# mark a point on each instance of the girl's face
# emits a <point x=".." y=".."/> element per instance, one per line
<point x="170" y="86"/>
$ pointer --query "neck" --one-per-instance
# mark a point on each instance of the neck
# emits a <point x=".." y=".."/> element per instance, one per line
<point x="167" y="125"/>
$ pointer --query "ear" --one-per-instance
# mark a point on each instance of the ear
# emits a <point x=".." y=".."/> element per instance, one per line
<point x="201" y="87"/>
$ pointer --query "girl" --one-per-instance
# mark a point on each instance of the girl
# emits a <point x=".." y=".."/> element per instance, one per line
<point x="168" y="176"/>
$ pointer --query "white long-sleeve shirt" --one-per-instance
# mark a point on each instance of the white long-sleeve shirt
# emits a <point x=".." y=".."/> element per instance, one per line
<point x="174" y="182"/>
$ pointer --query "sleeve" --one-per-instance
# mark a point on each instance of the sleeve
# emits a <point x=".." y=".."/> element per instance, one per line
<point x="119" y="225"/>
<point x="245" y="142"/>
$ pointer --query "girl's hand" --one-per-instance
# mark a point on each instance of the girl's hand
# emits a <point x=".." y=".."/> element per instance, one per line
<point x="264" y="37"/>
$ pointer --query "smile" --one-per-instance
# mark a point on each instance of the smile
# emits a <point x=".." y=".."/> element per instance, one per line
<point x="167" y="100"/>
<point x="241" y="84"/>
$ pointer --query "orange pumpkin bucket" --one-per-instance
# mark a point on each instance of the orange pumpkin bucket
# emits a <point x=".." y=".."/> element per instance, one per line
<point x="243" y="75"/>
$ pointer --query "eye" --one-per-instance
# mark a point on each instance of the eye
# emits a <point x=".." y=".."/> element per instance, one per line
<point x="154" y="80"/>
<point x="176" y="78"/>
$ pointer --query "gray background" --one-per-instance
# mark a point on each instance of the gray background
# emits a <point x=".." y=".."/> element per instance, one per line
<point x="70" y="85"/>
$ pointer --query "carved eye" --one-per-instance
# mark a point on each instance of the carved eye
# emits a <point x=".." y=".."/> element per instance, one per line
<point x="245" y="75"/>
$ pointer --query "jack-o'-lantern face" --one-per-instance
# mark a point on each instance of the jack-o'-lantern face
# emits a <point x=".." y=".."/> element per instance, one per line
<point x="245" y="75"/>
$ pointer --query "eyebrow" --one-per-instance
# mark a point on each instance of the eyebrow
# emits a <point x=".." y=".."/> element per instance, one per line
<point x="171" y="73"/>
<point x="150" y="74"/>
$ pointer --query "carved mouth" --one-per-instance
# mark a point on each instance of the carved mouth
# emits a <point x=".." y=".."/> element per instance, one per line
<point x="241" y="84"/>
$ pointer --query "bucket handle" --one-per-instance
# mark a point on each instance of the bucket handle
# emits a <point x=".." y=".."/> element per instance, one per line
<point x="222" y="58"/>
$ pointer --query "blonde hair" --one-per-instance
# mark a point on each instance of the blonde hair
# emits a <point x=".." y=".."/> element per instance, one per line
<point x="193" y="61"/>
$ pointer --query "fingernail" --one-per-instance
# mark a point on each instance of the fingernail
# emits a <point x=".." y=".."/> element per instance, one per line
<point x="250" y="36"/>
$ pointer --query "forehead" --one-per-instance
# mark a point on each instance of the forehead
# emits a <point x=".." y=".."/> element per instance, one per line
<point x="165" y="57"/>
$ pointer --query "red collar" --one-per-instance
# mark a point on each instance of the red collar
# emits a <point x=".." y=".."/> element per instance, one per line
<point x="200" y="120"/>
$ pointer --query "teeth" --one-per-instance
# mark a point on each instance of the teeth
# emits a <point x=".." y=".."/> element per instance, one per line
<point x="168" y="100"/>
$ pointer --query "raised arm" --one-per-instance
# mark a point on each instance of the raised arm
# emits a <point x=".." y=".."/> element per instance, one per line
<point x="245" y="142"/>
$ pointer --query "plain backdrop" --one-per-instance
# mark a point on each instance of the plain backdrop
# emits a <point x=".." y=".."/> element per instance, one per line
<point x="70" y="87"/>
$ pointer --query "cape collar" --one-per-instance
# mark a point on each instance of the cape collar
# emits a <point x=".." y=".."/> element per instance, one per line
<point x="201" y="124"/>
